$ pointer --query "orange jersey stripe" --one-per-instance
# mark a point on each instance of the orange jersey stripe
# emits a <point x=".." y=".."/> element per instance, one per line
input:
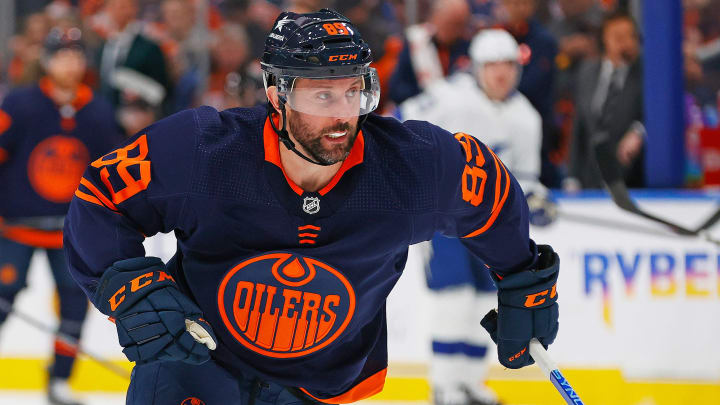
<point x="496" y="207"/>
<point x="34" y="237"/>
<point x="106" y="202"/>
<point x="87" y="197"/>
<point x="365" y="389"/>
<point x="355" y="158"/>
<point x="309" y="235"/>
<point x="272" y="153"/>
<point x="308" y="241"/>
<point x="302" y="228"/>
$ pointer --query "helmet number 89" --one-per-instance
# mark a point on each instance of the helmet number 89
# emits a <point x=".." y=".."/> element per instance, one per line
<point x="336" y="29"/>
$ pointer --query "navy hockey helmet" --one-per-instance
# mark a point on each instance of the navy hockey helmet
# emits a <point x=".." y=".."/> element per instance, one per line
<point x="319" y="45"/>
<point x="59" y="38"/>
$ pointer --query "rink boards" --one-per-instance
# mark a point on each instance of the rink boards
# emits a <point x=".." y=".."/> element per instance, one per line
<point x="640" y="312"/>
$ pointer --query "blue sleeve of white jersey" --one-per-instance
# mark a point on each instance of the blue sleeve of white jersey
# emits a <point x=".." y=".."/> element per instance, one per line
<point x="131" y="193"/>
<point x="480" y="202"/>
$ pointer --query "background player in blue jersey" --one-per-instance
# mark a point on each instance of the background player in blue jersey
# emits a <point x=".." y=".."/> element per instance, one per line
<point x="293" y="225"/>
<point x="48" y="134"/>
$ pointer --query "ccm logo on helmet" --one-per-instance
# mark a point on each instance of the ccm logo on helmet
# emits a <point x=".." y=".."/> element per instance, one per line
<point x="136" y="284"/>
<point x="335" y="58"/>
<point x="284" y="305"/>
<point x="536" y="299"/>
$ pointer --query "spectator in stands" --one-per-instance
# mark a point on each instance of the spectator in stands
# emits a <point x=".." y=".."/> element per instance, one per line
<point x="25" y="67"/>
<point x="538" y="77"/>
<point x="232" y="81"/>
<point x="127" y="49"/>
<point x="539" y="73"/>
<point x="185" y="42"/>
<point x="575" y="24"/>
<point x="307" y="6"/>
<point x="258" y="20"/>
<point x="139" y="101"/>
<point x="432" y="50"/>
<point x="608" y="123"/>
<point x="575" y="27"/>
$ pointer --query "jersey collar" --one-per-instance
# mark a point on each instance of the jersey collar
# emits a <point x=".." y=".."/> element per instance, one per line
<point x="83" y="94"/>
<point x="272" y="155"/>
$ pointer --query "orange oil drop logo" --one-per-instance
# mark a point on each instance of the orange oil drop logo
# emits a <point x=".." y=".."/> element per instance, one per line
<point x="283" y="305"/>
<point x="55" y="167"/>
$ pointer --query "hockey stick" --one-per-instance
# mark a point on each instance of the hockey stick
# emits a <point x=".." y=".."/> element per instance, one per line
<point x="548" y="367"/>
<point x="613" y="177"/>
<point x="6" y="307"/>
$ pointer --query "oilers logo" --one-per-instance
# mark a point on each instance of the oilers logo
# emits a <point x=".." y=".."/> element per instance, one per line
<point x="192" y="401"/>
<point x="284" y="305"/>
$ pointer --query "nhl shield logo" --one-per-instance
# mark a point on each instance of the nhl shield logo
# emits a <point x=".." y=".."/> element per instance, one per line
<point x="311" y="205"/>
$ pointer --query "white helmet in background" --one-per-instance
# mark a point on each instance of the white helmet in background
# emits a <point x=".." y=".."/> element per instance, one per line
<point x="494" y="45"/>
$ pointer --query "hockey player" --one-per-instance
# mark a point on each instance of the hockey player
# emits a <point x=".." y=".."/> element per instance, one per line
<point x="493" y="110"/>
<point x="48" y="134"/>
<point x="293" y="224"/>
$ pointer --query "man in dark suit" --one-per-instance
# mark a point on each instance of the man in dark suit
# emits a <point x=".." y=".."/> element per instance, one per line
<point x="129" y="53"/>
<point x="608" y="134"/>
<point x="432" y="50"/>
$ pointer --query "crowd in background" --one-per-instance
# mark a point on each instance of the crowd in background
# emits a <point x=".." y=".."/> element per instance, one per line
<point x="151" y="58"/>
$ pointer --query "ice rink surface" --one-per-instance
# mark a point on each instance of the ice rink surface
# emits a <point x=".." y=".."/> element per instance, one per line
<point x="37" y="398"/>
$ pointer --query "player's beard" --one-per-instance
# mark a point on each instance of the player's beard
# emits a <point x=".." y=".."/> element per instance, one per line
<point x="312" y="141"/>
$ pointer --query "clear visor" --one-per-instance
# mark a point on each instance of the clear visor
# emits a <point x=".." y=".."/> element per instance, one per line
<point x="350" y="96"/>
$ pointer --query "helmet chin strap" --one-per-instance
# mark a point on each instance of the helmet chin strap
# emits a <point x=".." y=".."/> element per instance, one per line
<point x="285" y="137"/>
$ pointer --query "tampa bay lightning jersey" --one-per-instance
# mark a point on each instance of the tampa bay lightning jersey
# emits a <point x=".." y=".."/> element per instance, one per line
<point x="294" y="283"/>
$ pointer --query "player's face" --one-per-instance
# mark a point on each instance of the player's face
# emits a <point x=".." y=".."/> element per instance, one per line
<point x="499" y="79"/>
<point x="326" y="124"/>
<point x="67" y="67"/>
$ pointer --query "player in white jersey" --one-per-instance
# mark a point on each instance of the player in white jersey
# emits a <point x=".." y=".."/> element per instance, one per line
<point x="484" y="103"/>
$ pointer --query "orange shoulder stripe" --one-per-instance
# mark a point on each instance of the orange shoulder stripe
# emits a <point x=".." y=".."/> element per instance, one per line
<point x="365" y="389"/>
<point x="105" y="201"/>
<point x="87" y="197"/>
<point x="497" y="207"/>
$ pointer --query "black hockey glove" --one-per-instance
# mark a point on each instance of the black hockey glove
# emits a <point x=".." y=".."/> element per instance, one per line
<point x="154" y="320"/>
<point x="527" y="308"/>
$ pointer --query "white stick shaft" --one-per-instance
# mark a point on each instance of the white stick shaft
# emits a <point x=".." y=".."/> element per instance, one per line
<point x="541" y="357"/>
<point x="549" y="368"/>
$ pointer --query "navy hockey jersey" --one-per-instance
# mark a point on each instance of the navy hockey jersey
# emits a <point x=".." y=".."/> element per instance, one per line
<point x="44" y="150"/>
<point x="294" y="283"/>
